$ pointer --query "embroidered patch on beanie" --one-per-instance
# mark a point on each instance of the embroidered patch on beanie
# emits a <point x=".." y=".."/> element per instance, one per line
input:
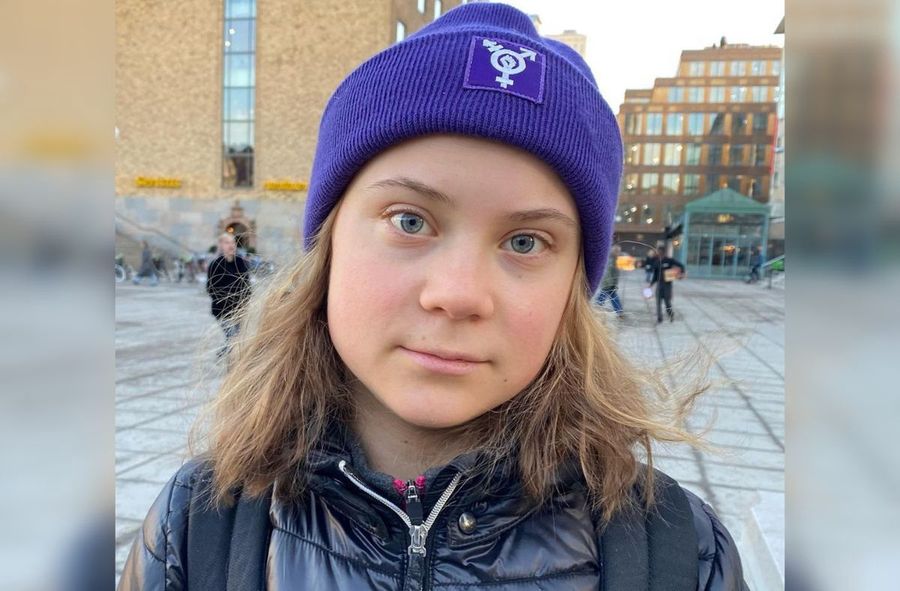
<point x="505" y="66"/>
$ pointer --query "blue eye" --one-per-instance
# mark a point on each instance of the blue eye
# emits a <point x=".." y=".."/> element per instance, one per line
<point x="408" y="222"/>
<point x="523" y="243"/>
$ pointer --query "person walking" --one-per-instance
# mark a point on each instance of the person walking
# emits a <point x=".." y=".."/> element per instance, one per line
<point x="609" y="287"/>
<point x="426" y="399"/>
<point x="648" y="265"/>
<point x="228" y="286"/>
<point x="665" y="270"/>
<point x="755" y="265"/>
<point x="148" y="268"/>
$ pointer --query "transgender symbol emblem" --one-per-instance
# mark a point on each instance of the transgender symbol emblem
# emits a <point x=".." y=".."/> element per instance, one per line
<point x="507" y="61"/>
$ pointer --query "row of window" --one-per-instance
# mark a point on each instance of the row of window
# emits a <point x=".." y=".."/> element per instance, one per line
<point x="717" y="94"/>
<point x="696" y="124"/>
<point x="696" y="154"/>
<point x="735" y="68"/>
<point x="653" y="183"/>
<point x="420" y="5"/>
<point x="238" y="93"/>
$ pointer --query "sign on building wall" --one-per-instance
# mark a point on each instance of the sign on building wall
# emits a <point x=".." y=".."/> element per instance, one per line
<point x="158" y="182"/>
<point x="285" y="186"/>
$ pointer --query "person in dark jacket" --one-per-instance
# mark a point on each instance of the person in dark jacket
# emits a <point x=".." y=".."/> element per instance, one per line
<point x="665" y="270"/>
<point x="426" y="399"/>
<point x="228" y="286"/>
<point x="755" y="264"/>
<point x="148" y="269"/>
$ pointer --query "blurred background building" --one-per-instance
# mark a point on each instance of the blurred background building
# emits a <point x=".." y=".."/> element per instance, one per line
<point x="217" y="111"/>
<point x="575" y="40"/>
<point x="711" y="126"/>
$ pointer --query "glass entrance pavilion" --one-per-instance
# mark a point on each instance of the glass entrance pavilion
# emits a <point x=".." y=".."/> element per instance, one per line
<point x="720" y="232"/>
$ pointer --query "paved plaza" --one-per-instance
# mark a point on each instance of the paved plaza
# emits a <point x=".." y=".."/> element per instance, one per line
<point x="166" y="342"/>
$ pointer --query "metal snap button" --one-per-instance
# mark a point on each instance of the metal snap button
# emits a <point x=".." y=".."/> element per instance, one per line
<point x="467" y="523"/>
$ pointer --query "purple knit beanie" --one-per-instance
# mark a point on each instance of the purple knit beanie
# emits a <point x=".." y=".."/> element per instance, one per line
<point x="480" y="70"/>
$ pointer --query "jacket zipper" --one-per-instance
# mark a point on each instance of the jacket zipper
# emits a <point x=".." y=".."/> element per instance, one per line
<point x="418" y="529"/>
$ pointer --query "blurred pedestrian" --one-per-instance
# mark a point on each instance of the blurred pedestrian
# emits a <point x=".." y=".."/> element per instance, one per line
<point x="665" y="270"/>
<point x="755" y="264"/>
<point x="228" y="286"/>
<point x="609" y="286"/>
<point x="648" y="265"/>
<point x="148" y="269"/>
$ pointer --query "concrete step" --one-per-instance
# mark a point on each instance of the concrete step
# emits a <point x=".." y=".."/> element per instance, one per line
<point x="761" y="539"/>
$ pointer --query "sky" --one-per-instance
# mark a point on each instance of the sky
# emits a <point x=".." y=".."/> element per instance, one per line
<point x="632" y="42"/>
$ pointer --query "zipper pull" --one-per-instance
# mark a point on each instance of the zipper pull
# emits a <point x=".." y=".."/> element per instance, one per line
<point x="414" y="503"/>
<point x="418" y="533"/>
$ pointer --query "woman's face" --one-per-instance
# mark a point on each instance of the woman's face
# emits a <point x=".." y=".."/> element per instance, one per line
<point x="452" y="263"/>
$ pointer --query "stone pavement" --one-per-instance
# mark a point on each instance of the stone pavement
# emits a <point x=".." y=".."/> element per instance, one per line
<point x="165" y="370"/>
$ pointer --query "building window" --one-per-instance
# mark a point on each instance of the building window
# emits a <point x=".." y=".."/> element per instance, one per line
<point x="401" y="32"/>
<point x="717" y="124"/>
<point x="676" y="94"/>
<point x="759" y="94"/>
<point x="670" y="184"/>
<point x="716" y="68"/>
<point x="420" y="4"/>
<point x="631" y="183"/>
<point x="632" y="154"/>
<point x="695" y="68"/>
<point x="712" y="183"/>
<point x="692" y="155"/>
<point x="760" y="123"/>
<point x="738" y="68"/>
<point x="691" y="184"/>
<point x="649" y="182"/>
<point x="776" y="68"/>
<point x="736" y="155"/>
<point x="715" y="155"/>
<point x="695" y="123"/>
<point x="757" y="68"/>
<point x="646" y="214"/>
<point x="633" y="123"/>
<point x="755" y="188"/>
<point x="734" y="183"/>
<point x="695" y="94"/>
<point x="717" y="94"/>
<point x="437" y="9"/>
<point x="652" y="154"/>
<point x="760" y="153"/>
<point x="738" y="94"/>
<point x="238" y="93"/>
<point x="654" y="123"/>
<point x="627" y="214"/>
<point x="674" y="124"/>
<point x="738" y="123"/>
<point x="672" y="154"/>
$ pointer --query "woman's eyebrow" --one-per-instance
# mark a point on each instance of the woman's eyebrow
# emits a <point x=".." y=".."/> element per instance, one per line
<point x="531" y="215"/>
<point x="545" y="213"/>
<point x="413" y="185"/>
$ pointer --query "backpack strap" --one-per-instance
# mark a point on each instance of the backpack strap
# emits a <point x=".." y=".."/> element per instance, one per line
<point x="227" y="546"/>
<point x="655" y="550"/>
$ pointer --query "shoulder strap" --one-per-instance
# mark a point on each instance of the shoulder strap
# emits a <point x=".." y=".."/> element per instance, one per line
<point x="655" y="551"/>
<point x="227" y="546"/>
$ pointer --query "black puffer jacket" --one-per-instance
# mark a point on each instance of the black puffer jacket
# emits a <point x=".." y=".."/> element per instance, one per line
<point x="341" y="537"/>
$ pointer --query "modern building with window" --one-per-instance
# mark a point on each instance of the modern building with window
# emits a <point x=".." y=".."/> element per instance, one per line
<point x="709" y="127"/>
<point x="217" y="110"/>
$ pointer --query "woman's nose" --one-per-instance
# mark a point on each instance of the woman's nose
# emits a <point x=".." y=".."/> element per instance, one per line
<point x="459" y="284"/>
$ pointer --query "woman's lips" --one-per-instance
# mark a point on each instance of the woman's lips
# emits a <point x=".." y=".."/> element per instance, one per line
<point x="438" y="364"/>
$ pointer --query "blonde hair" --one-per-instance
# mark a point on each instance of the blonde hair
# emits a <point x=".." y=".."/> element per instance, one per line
<point x="287" y="385"/>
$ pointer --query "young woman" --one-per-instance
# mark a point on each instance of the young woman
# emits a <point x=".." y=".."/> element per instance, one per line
<point x="427" y="399"/>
